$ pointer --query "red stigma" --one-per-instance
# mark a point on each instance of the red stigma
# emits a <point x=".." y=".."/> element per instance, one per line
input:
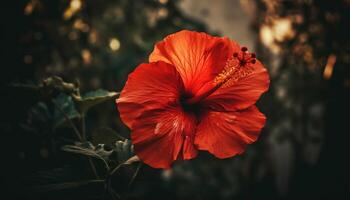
<point x="238" y="66"/>
<point x="244" y="57"/>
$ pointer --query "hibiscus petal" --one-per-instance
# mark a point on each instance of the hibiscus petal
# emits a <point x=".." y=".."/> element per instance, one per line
<point x="226" y="134"/>
<point x="158" y="136"/>
<point x="242" y="94"/>
<point x="150" y="86"/>
<point x="198" y="57"/>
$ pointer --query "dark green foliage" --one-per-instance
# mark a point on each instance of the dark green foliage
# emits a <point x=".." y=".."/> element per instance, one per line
<point x="301" y="154"/>
<point x="64" y="110"/>
<point x="93" y="98"/>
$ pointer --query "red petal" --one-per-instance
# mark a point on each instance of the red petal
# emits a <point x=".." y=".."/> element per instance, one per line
<point x="198" y="57"/>
<point x="159" y="135"/>
<point x="189" y="151"/>
<point x="226" y="134"/>
<point x="150" y="86"/>
<point x="242" y="94"/>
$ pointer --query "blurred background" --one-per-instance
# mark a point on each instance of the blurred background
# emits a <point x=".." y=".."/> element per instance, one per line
<point x="302" y="151"/>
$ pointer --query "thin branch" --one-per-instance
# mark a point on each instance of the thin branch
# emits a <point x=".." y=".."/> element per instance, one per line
<point x="114" y="193"/>
<point x="104" y="161"/>
<point x="93" y="168"/>
<point x="115" y="169"/>
<point x="127" y="162"/>
<point x="83" y="131"/>
<point x="135" y="174"/>
<point x="83" y="127"/>
<point x="76" y="131"/>
<point x="108" y="180"/>
<point x="132" y="180"/>
<point x="80" y="150"/>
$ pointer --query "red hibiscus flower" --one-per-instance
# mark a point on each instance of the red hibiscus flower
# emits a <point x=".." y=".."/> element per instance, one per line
<point x="196" y="93"/>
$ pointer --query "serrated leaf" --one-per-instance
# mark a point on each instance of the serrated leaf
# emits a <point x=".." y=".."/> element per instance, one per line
<point x="101" y="150"/>
<point x="64" y="109"/>
<point x="57" y="83"/>
<point x="124" y="150"/>
<point x="88" y="149"/>
<point x="93" y="98"/>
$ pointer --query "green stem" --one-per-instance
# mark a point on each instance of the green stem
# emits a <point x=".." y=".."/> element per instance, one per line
<point x="115" y="169"/>
<point x="76" y="131"/>
<point x="83" y="126"/>
<point x="115" y="194"/>
<point x="83" y="131"/>
<point x="93" y="168"/>
<point x="135" y="174"/>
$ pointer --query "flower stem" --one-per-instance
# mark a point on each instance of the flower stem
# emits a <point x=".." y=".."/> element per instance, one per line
<point x="83" y="126"/>
<point x="135" y="174"/>
<point x="76" y="131"/>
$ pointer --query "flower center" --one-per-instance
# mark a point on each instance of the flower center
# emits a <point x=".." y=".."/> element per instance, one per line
<point x="193" y="108"/>
<point x="237" y="67"/>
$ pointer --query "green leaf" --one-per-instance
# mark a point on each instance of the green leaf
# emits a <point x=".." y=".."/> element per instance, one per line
<point x="64" y="110"/>
<point x="88" y="149"/>
<point x="121" y="152"/>
<point x="93" y="98"/>
<point x="122" y="147"/>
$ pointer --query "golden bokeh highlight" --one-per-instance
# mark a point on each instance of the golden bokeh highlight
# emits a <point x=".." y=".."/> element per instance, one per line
<point x="114" y="44"/>
<point x="74" y="6"/>
<point x="328" y="70"/>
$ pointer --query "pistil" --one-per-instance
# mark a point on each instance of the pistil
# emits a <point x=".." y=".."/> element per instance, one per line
<point x="237" y="67"/>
